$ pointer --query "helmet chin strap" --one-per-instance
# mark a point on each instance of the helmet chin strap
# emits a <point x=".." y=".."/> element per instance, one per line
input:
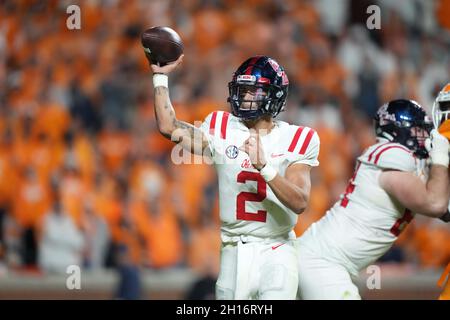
<point x="387" y="136"/>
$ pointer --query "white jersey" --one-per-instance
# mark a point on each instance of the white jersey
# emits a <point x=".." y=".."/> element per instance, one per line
<point x="366" y="221"/>
<point x="247" y="205"/>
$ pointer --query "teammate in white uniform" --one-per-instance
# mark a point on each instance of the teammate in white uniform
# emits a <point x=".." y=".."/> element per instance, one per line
<point x="379" y="201"/>
<point x="263" y="168"/>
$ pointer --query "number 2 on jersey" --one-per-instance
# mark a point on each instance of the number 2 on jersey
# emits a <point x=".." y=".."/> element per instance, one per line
<point x="242" y="197"/>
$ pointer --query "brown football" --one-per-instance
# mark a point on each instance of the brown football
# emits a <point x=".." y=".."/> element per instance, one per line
<point x="161" y="45"/>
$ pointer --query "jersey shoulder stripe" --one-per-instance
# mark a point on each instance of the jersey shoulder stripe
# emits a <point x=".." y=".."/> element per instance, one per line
<point x="376" y="149"/>
<point x="389" y="155"/>
<point x="212" y="124"/>
<point x="223" y="126"/>
<point x="301" y="140"/>
<point x="219" y="123"/>
<point x="388" y="148"/>
<point x="376" y="152"/>
<point x="306" y="141"/>
<point x="295" y="139"/>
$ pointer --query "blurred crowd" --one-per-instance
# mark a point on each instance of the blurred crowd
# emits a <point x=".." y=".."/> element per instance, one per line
<point x="86" y="178"/>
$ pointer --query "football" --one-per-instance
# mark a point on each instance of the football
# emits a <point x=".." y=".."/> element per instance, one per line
<point x="161" y="45"/>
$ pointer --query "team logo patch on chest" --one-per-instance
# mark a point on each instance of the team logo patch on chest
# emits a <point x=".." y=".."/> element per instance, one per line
<point x="246" y="164"/>
<point x="232" y="152"/>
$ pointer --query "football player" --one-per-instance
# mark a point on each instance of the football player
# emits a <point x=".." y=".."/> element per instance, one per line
<point x="382" y="197"/>
<point x="441" y="111"/>
<point x="263" y="168"/>
<point x="441" y="121"/>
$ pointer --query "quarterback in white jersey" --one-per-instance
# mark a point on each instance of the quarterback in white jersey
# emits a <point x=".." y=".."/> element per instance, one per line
<point x="381" y="198"/>
<point x="263" y="168"/>
<point x="244" y="198"/>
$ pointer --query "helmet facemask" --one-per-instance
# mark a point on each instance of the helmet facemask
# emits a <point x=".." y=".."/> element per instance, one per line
<point x="419" y="134"/>
<point x="441" y="107"/>
<point x="441" y="113"/>
<point x="250" y="101"/>
<point x="411" y="135"/>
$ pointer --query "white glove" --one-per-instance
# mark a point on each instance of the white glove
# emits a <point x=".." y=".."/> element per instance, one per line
<point x="438" y="148"/>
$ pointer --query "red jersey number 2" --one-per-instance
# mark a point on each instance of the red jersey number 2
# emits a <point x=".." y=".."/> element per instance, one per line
<point x="259" y="196"/>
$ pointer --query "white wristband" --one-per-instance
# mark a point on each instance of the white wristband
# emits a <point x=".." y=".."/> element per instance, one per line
<point x="160" y="80"/>
<point x="268" y="172"/>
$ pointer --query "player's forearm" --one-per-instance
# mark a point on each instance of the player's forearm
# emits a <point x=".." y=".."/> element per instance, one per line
<point x="164" y="112"/>
<point x="186" y="134"/>
<point x="291" y="195"/>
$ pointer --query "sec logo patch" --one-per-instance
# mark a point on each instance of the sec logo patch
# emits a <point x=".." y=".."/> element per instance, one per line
<point x="232" y="152"/>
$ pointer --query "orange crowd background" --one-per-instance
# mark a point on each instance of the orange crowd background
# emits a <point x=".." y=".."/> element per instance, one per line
<point x="77" y="128"/>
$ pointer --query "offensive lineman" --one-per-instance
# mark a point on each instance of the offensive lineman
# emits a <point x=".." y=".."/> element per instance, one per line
<point x="380" y="200"/>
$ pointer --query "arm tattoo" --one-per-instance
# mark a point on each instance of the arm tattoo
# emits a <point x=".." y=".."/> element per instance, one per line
<point x="187" y="126"/>
<point x="166" y="113"/>
<point x="159" y="90"/>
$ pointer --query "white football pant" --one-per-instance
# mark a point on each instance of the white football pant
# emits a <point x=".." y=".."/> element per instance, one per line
<point x="321" y="279"/>
<point x="264" y="270"/>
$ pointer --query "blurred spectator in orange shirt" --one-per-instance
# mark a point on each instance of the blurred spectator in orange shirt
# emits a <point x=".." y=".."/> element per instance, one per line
<point x="156" y="221"/>
<point x="80" y="154"/>
<point x="31" y="200"/>
<point x="114" y="146"/>
<point x="108" y="203"/>
<point x="51" y="119"/>
<point x="8" y="172"/>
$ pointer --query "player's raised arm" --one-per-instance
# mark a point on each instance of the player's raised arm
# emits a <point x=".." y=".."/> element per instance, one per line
<point x="190" y="137"/>
<point x="429" y="198"/>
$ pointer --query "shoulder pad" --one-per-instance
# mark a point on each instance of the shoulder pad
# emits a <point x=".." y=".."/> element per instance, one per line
<point x="304" y="145"/>
<point x="390" y="156"/>
<point x="216" y="124"/>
